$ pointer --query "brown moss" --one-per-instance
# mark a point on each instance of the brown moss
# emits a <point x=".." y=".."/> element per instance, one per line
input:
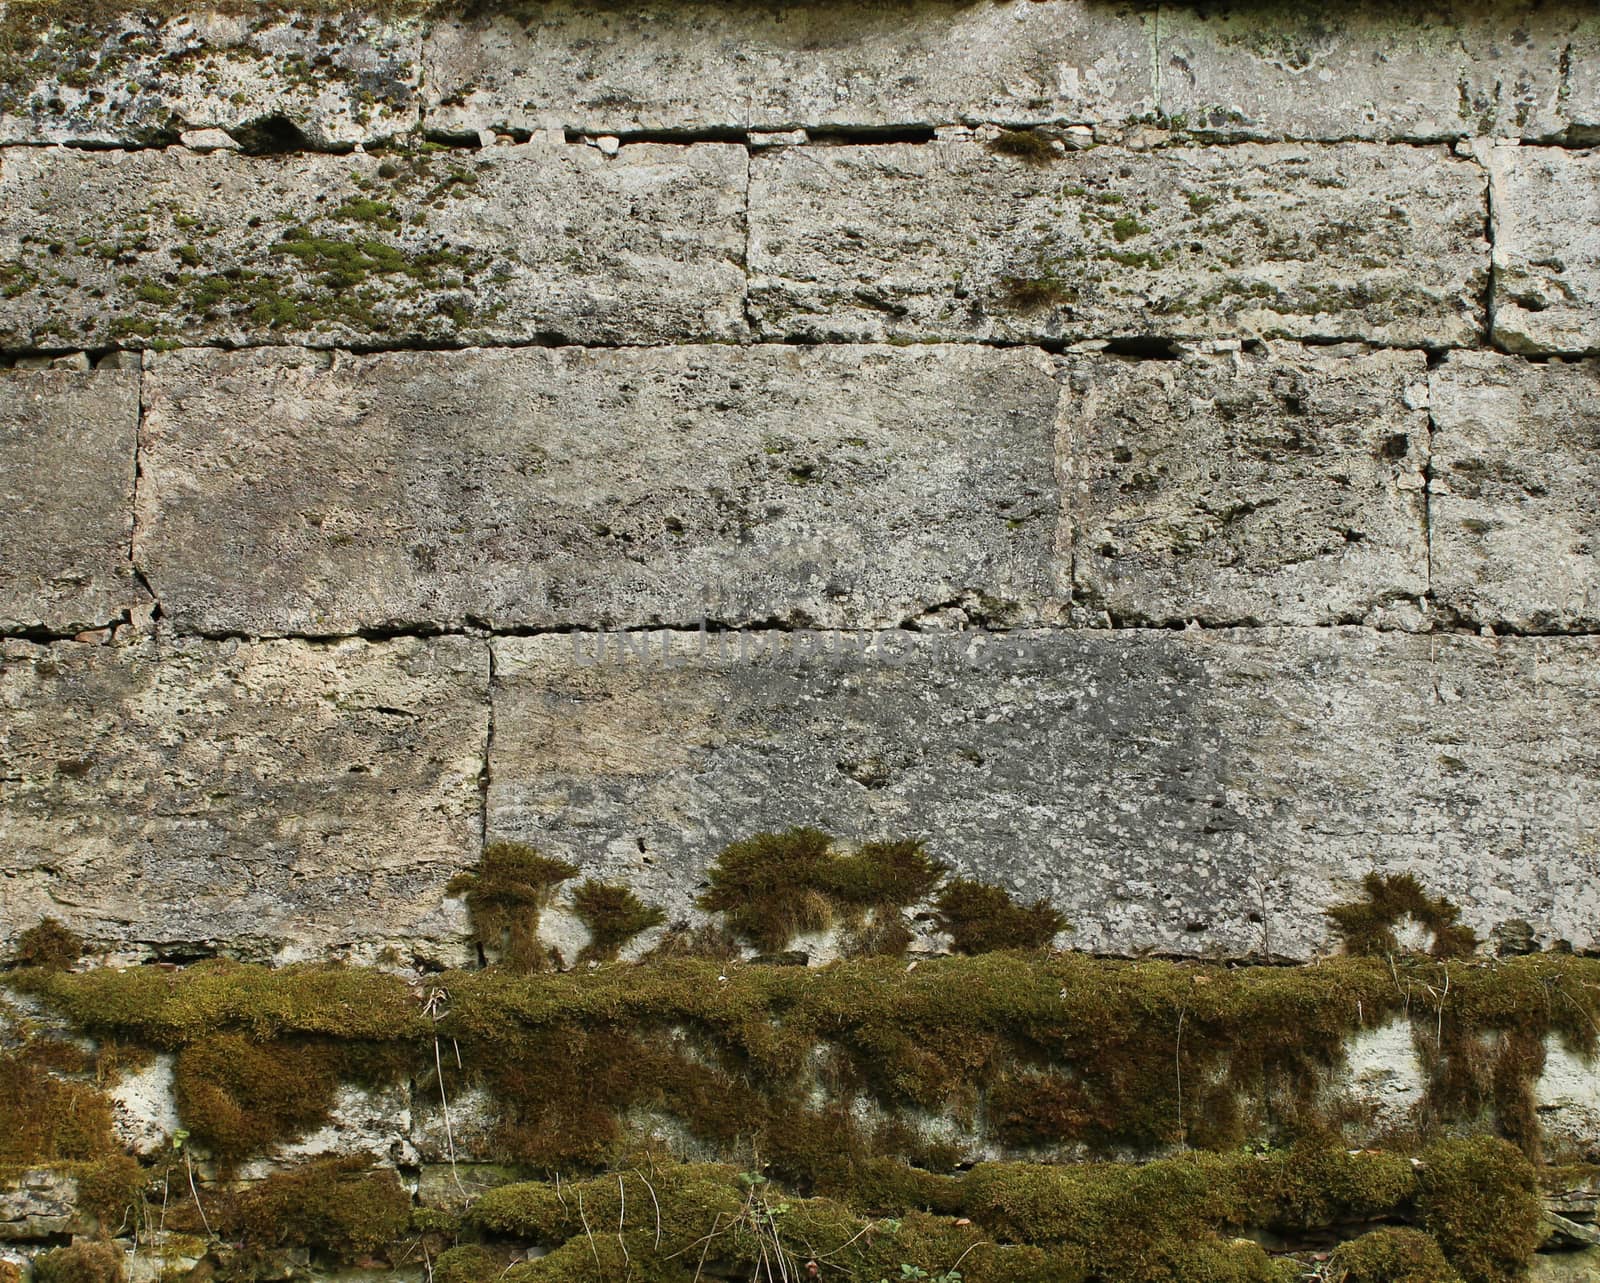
<point x="1368" y="925"/>
<point x="94" y="1262"/>
<point x="112" y="1191"/>
<point x="1390" y="1255"/>
<point x="1478" y="1197"/>
<point x="44" y="1118"/>
<point x="981" y="918"/>
<point x="511" y="886"/>
<point x="613" y="916"/>
<point x="239" y="1096"/>
<point x="468" y="1263"/>
<point x="1028" y="145"/>
<point x="50" y="944"/>
<point x="771" y="887"/>
<point x="341" y="1206"/>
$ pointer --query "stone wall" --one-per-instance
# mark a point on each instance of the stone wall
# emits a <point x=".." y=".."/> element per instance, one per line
<point x="1148" y="450"/>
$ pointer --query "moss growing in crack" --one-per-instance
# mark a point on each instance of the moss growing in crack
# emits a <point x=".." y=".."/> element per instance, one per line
<point x="112" y="1190"/>
<point x="50" y="944"/>
<point x="981" y="918"/>
<point x="613" y="916"/>
<point x="1479" y="1199"/>
<point x="1390" y="1255"/>
<point x="506" y="894"/>
<point x="1027" y="145"/>
<point x="1367" y="926"/>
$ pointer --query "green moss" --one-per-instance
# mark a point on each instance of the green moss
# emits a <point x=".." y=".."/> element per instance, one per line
<point x="112" y="1190"/>
<point x="81" y="1263"/>
<point x="468" y="1263"/>
<point x="1126" y="228"/>
<point x="1390" y="1255"/>
<point x="239" y="1096"/>
<point x="613" y="915"/>
<point x="981" y="918"/>
<point x="1478" y="1197"/>
<point x="771" y="887"/>
<point x="341" y="1206"/>
<point x="1367" y="925"/>
<point x="50" y="945"/>
<point x="45" y="1118"/>
<point x="1036" y="289"/>
<point x="512" y="885"/>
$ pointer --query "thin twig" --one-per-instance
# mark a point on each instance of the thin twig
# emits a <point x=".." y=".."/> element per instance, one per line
<point x="589" y="1234"/>
<point x="654" y="1200"/>
<point x="196" y="1193"/>
<point x="1177" y="1063"/>
<point x="622" y="1214"/>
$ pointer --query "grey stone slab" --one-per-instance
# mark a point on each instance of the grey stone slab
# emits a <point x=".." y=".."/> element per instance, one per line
<point x="613" y="67"/>
<point x="1277" y="487"/>
<point x="1514" y="528"/>
<point x="302" y="492"/>
<point x="267" y="800"/>
<point x="125" y="77"/>
<point x="506" y="244"/>
<point x="1546" y="203"/>
<point x="951" y="241"/>
<point x="1189" y="792"/>
<point x="1503" y="68"/>
<point x="67" y="443"/>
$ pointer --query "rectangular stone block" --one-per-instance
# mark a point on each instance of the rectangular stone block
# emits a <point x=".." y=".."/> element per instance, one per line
<point x="275" y="799"/>
<point x="506" y="244"/>
<point x="1283" y="487"/>
<point x="303" y="492"/>
<point x="1183" y="792"/>
<point x="1514" y="529"/>
<point x="952" y="241"/>
<point x="703" y="65"/>
<point x="270" y="77"/>
<point x="1503" y="68"/>
<point x="1546" y="204"/>
<point x="67" y="443"/>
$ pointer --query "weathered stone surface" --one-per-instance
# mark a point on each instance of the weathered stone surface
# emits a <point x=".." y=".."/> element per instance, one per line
<point x="37" y="1204"/>
<point x="949" y="240"/>
<point x="1199" y="792"/>
<point x="1516" y="68"/>
<point x="272" y="799"/>
<point x="506" y="244"/>
<point x="1546" y="204"/>
<point x="303" y="492"/>
<point x="666" y="65"/>
<point x="1284" y="487"/>
<point x="274" y="79"/>
<point x="1513" y="526"/>
<point x="67" y="444"/>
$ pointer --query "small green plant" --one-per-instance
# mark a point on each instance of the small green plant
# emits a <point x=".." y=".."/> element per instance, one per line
<point x="916" y="1272"/>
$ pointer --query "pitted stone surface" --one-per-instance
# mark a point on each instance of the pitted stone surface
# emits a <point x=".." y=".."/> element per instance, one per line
<point x="1546" y="203"/>
<point x="1189" y="792"/>
<point x="329" y="79"/>
<point x="1236" y="488"/>
<point x="665" y="65"/>
<point x="1368" y="69"/>
<point x="950" y="240"/>
<point x="303" y="492"/>
<point x="67" y="440"/>
<point x="253" y="798"/>
<point x="1516" y="469"/>
<point x="507" y="244"/>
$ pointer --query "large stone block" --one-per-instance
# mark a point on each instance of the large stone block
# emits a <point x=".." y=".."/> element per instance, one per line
<point x="273" y="78"/>
<point x="1546" y="204"/>
<point x="1284" y="487"/>
<point x="1516" y="468"/>
<point x="266" y="800"/>
<point x="303" y="492"/>
<point x="506" y="244"/>
<point x="1185" y="792"/>
<point x="703" y="65"/>
<point x="67" y="442"/>
<point x="1367" y="69"/>
<point x="952" y="241"/>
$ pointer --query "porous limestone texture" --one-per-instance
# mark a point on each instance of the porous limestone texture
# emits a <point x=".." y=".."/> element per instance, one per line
<point x="613" y="67"/>
<point x="953" y="240"/>
<point x="274" y="80"/>
<point x="1247" y="487"/>
<point x="1369" y="69"/>
<point x="184" y="796"/>
<point x="506" y="244"/>
<point x="1514" y="529"/>
<point x="1183" y="792"/>
<point x="1546" y="204"/>
<point x="318" y="493"/>
<point x="67" y="441"/>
